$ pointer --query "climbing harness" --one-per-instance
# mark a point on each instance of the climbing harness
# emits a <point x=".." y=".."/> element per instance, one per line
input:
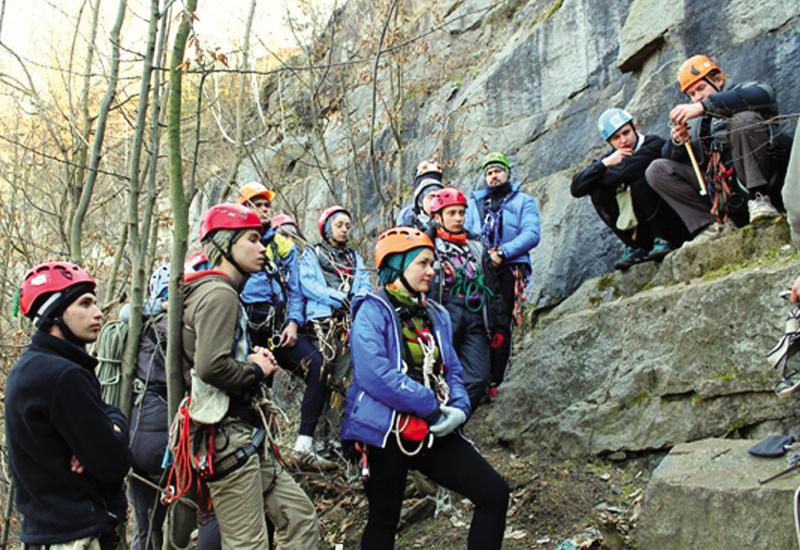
<point x="332" y="335"/>
<point x="411" y="428"/>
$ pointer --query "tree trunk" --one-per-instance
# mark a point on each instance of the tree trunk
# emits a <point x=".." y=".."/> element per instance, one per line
<point x="138" y="236"/>
<point x="76" y="227"/>
<point x="182" y="521"/>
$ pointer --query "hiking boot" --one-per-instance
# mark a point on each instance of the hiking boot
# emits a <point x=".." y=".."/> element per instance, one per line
<point x="761" y="209"/>
<point x="660" y="249"/>
<point x="309" y="461"/>
<point x="713" y="231"/>
<point x="630" y="256"/>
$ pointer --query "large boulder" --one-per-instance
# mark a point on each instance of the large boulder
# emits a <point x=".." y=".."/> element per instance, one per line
<point x="666" y="365"/>
<point x="706" y="495"/>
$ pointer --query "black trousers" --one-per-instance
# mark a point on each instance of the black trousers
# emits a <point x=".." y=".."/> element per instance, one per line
<point x="656" y="218"/>
<point x="453" y="463"/>
<point x="472" y="348"/>
<point x="501" y="355"/>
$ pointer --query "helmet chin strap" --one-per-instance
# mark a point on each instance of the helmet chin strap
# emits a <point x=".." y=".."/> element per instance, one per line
<point x="68" y="334"/>
<point x="228" y="256"/>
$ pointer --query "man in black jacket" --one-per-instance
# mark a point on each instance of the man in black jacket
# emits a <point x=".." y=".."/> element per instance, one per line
<point x="67" y="449"/>
<point x="620" y="194"/>
<point x="737" y="150"/>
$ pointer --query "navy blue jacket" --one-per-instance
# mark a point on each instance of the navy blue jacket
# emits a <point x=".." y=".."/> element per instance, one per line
<point x="54" y="411"/>
<point x="733" y="98"/>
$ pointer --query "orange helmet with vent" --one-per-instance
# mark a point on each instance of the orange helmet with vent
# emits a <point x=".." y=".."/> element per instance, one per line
<point x="398" y="240"/>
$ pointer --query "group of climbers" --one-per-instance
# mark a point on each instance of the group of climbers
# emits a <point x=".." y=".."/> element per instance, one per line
<point x="721" y="168"/>
<point x="411" y="357"/>
<point x="254" y="303"/>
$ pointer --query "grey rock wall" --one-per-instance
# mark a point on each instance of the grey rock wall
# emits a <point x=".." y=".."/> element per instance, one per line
<point x="531" y="78"/>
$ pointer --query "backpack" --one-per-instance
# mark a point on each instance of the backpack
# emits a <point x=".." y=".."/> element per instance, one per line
<point x="110" y="349"/>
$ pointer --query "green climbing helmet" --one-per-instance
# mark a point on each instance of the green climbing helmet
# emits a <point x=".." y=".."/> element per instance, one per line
<point x="496" y="158"/>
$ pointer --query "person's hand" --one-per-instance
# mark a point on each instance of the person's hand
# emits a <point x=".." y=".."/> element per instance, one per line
<point x="497" y="259"/>
<point x="683" y="113"/>
<point x="617" y="156"/>
<point x="288" y="336"/>
<point x="264" y="359"/>
<point x="164" y="305"/>
<point x="680" y="134"/>
<point x="795" y="295"/>
<point x="75" y="466"/>
<point x="450" y="420"/>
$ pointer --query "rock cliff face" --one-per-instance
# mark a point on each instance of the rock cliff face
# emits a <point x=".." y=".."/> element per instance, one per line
<point x="629" y="362"/>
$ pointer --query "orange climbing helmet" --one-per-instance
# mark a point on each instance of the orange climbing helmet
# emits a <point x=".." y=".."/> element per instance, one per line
<point x="398" y="240"/>
<point x="695" y="69"/>
<point x="250" y="191"/>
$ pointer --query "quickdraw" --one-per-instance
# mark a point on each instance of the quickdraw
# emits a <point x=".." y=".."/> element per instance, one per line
<point x="332" y="334"/>
<point x="719" y="177"/>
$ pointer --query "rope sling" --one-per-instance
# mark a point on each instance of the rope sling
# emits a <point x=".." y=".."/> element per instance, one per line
<point x="431" y="380"/>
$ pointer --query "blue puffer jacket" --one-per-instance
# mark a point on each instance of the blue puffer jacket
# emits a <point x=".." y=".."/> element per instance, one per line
<point x="320" y="299"/>
<point x="520" y="223"/>
<point x="380" y="386"/>
<point x="266" y="288"/>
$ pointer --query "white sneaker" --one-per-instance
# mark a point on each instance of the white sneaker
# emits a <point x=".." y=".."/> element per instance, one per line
<point x="761" y="209"/>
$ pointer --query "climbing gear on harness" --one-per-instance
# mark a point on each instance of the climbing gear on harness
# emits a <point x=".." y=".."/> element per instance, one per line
<point x="495" y="159"/>
<point x="415" y="429"/>
<point x="399" y="240"/>
<point x="611" y="121"/>
<point x="694" y="69"/>
<point x="250" y="191"/>
<point x="723" y="198"/>
<point x="43" y="286"/>
<point x="519" y="294"/>
<point x="228" y="216"/>
<point x="180" y="474"/>
<point x="786" y="348"/>
<point x="446" y="197"/>
<point x="327" y="214"/>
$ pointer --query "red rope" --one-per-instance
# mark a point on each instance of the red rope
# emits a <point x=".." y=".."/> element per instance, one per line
<point x="179" y="478"/>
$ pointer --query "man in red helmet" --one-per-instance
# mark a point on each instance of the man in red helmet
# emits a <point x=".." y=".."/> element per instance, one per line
<point x="467" y="285"/>
<point x="68" y="451"/>
<point x="737" y="148"/>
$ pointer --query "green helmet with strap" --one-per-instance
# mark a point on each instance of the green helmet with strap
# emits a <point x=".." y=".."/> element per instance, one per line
<point x="495" y="159"/>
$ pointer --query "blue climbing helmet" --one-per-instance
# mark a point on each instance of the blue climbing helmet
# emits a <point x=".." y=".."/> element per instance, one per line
<point x="611" y="121"/>
<point x="159" y="283"/>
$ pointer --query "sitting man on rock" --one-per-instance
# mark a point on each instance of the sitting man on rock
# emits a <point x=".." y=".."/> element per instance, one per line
<point x="722" y="165"/>
<point x="620" y="194"/>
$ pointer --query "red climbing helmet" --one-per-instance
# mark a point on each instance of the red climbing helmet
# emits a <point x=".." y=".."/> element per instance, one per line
<point x="228" y="216"/>
<point x="49" y="278"/>
<point x="443" y="198"/>
<point x="282" y="219"/>
<point x="327" y="214"/>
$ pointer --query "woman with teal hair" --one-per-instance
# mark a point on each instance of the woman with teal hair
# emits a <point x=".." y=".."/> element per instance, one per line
<point x="407" y="402"/>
